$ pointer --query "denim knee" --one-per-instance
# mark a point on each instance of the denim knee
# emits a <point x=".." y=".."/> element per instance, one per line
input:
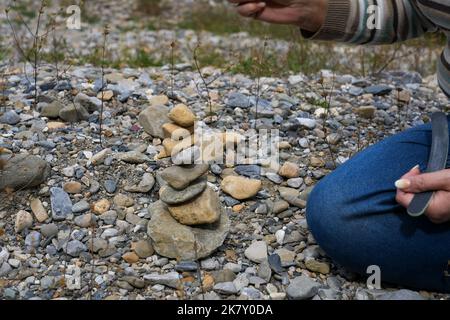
<point x="321" y="213"/>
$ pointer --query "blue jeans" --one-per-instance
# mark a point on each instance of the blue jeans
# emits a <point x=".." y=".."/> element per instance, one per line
<point x="354" y="217"/>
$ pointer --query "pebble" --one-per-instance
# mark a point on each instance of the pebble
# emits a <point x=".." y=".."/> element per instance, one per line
<point x="240" y="188"/>
<point x="24" y="220"/>
<point x="49" y="230"/>
<point x="4" y="255"/>
<point x="226" y="288"/>
<point x="171" y="279"/>
<point x="72" y="187"/>
<point x="174" y="240"/>
<point x="250" y="171"/>
<point x="264" y="271"/>
<point x="403" y="294"/>
<point x="317" y="266"/>
<point x="302" y="288"/>
<point x="275" y="263"/>
<point x="144" y="186"/>
<point x="289" y="170"/>
<point x="33" y="239"/>
<point x="307" y="123"/>
<point x="183" y="266"/>
<point x="143" y="249"/>
<point x="110" y="186"/>
<point x="40" y="213"/>
<point x="292" y="196"/>
<point x="74" y="248"/>
<point x="60" y="203"/>
<point x="257" y="251"/>
<point x="122" y="200"/>
<point x="130" y="257"/>
<point x="23" y="172"/>
<point x="182" y="115"/>
<point x="238" y="100"/>
<point x="101" y="206"/>
<point x="81" y="206"/>
<point x="236" y="268"/>
<point x="84" y="221"/>
<point x="295" y="183"/>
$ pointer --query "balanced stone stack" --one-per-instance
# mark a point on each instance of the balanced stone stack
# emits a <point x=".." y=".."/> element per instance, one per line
<point x="188" y="221"/>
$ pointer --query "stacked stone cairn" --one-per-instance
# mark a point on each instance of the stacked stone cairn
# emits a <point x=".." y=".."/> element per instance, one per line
<point x="188" y="222"/>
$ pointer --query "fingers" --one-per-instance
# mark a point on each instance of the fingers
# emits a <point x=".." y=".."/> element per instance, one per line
<point x="413" y="172"/>
<point x="250" y="9"/>
<point x="403" y="198"/>
<point x="439" y="180"/>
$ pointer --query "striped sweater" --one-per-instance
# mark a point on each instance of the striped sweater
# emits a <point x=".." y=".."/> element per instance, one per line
<point x="388" y="21"/>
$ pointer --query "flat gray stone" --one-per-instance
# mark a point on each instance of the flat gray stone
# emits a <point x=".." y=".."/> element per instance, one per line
<point x="172" y="279"/>
<point x="226" y="288"/>
<point x="61" y="204"/>
<point x="179" y="177"/>
<point x="172" y="196"/>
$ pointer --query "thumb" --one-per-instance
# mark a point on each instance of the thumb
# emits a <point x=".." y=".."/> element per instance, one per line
<point x="439" y="180"/>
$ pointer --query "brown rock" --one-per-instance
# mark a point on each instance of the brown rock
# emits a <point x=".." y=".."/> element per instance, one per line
<point x="289" y="170"/>
<point x="130" y="257"/>
<point x="38" y="210"/>
<point x="366" y="112"/>
<point x="143" y="249"/>
<point x="23" y="220"/>
<point x="202" y="210"/>
<point x="240" y="188"/>
<point x="105" y="95"/>
<point x="101" y="206"/>
<point x="182" y="116"/>
<point x="317" y="162"/>
<point x="72" y="187"/>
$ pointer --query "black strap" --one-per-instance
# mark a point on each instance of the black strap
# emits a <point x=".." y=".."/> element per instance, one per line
<point x="436" y="162"/>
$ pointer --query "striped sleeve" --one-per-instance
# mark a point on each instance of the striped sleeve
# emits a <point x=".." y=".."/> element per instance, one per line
<point x="372" y="22"/>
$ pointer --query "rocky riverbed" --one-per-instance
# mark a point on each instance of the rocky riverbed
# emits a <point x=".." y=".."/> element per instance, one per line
<point x="112" y="217"/>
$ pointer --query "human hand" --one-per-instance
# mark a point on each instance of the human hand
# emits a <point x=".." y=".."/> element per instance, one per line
<point x="415" y="182"/>
<point x="307" y="14"/>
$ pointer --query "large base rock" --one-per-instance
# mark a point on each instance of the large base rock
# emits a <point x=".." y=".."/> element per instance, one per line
<point x="174" y="240"/>
<point x="24" y="171"/>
